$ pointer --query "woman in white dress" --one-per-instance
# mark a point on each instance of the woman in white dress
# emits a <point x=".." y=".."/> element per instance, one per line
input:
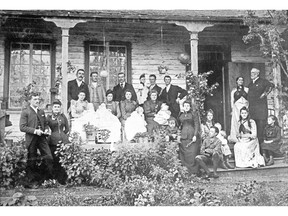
<point x="142" y="92"/>
<point x="135" y="124"/>
<point x="246" y="149"/>
<point x="238" y="100"/>
<point x="82" y="113"/>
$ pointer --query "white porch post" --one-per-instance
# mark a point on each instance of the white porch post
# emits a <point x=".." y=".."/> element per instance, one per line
<point x="194" y="28"/>
<point x="65" y="25"/>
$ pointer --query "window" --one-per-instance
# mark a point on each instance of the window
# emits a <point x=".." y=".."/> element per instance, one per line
<point x="113" y="57"/>
<point x="29" y="62"/>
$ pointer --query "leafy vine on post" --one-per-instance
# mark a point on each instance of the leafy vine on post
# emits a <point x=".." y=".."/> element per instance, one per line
<point x="25" y="92"/>
<point x="198" y="89"/>
<point x="270" y="34"/>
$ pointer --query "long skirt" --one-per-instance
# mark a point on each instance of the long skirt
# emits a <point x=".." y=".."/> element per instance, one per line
<point x="235" y="117"/>
<point x="247" y="153"/>
<point x="187" y="154"/>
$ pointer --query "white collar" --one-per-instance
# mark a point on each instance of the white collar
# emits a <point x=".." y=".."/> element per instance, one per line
<point x="122" y="84"/>
<point x="254" y="80"/>
<point x="35" y="109"/>
<point x="79" y="82"/>
<point x="94" y="84"/>
<point x="168" y="87"/>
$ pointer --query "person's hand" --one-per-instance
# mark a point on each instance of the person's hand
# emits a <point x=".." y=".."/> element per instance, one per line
<point x="194" y="139"/>
<point x="46" y="132"/>
<point x="38" y="132"/>
<point x="206" y="154"/>
<point x="177" y="100"/>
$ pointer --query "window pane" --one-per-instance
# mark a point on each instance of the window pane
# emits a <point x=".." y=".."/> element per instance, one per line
<point x="21" y="74"/>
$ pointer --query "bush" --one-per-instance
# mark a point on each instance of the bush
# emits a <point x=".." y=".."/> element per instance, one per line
<point x="139" y="191"/>
<point x="105" y="169"/>
<point x="19" y="199"/>
<point x="13" y="159"/>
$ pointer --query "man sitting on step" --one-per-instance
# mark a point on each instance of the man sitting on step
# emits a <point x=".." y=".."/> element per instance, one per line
<point x="210" y="151"/>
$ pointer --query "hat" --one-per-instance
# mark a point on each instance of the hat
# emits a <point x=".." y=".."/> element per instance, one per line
<point x="142" y="75"/>
<point x="57" y="102"/>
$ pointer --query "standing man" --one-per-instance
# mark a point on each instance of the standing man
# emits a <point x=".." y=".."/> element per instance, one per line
<point x="153" y="86"/>
<point x="118" y="90"/>
<point x="77" y="85"/>
<point x="33" y="123"/>
<point x="259" y="88"/>
<point x="171" y="95"/>
<point x="96" y="90"/>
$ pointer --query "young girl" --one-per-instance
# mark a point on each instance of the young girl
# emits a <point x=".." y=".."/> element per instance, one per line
<point x="224" y="147"/>
<point x="172" y="131"/>
<point x="272" y="140"/>
<point x="163" y="115"/>
<point x="209" y="122"/>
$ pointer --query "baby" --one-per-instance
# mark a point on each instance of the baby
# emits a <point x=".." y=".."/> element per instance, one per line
<point x="172" y="131"/>
<point x="224" y="147"/>
<point x="163" y="115"/>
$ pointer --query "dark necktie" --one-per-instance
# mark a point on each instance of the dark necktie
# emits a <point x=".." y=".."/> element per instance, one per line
<point x="122" y="85"/>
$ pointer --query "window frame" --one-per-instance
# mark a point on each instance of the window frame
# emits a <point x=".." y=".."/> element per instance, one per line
<point x="7" y="56"/>
<point x="115" y="43"/>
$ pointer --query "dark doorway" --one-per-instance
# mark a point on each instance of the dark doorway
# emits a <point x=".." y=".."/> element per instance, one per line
<point x="214" y="58"/>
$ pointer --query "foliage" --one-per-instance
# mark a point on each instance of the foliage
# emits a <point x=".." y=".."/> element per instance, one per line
<point x="13" y="160"/>
<point x="198" y="89"/>
<point x="269" y="34"/>
<point x="140" y="191"/>
<point x="19" y="199"/>
<point x="105" y="169"/>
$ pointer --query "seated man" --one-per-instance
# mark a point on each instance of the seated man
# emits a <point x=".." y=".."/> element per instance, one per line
<point x="210" y="150"/>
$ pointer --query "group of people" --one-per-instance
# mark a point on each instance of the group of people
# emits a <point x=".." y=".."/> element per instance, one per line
<point x="126" y="112"/>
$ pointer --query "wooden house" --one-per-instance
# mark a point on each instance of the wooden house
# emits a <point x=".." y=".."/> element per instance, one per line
<point x="35" y="44"/>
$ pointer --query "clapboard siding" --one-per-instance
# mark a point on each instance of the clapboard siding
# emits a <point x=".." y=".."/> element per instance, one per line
<point x="148" y="51"/>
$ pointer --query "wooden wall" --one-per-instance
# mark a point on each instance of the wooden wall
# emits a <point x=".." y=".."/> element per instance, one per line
<point x="147" y="50"/>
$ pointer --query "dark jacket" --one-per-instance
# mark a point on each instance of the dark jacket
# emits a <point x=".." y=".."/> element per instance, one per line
<point x="29" y="122"/>
<point x="73" y="91"/>
<point x="156" y="88"/>
<point x="118" y="92"/>
<point x="170" y="98"/>
<point x="59" y="128"/>
<point x="258" y="107"/>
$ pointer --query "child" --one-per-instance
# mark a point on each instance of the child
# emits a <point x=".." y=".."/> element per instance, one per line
<point x="163" y="115"/>
<point x="135" y="124"/>
<point x="224" y="147"/>
<point x="210" y="150"/>
<point x="172" y="131"/>
<point x="272" y="140"/>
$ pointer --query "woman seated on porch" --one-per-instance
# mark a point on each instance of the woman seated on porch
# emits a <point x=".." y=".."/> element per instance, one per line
<point x="104" y="119"/>
<point x="82" y="113"/>
<point x="135" y="123"/>
<point x="151" y="108"/>
<point x="246" y="149"/>
<point x="126" y="107"/>
<point x="272" y="140"/>
<point x="112" y="106"/>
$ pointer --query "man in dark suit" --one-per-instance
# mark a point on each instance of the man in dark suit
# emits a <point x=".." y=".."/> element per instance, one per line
<point x="119" y="90"/>
<point x="171" y="95"/>
<point x="33" y="123"/>
<point x="77" y="85"/>
<point x="153" y="86"/>
<point x="259" y="88"/>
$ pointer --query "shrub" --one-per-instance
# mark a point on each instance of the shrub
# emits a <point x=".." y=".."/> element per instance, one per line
<point x="139" y="191"/>
<point x="19" y="199"/>
<point x="13" y="160"/>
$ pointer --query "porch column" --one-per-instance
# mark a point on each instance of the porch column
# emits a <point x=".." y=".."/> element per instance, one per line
<point x="194" y="29"/>
<point x="65" y="25"/>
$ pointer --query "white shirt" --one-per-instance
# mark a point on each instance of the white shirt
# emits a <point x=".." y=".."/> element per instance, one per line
<point x="255" y="80"/>
<point x="79" y="82"/>
<point x="168" y="87"/>
<point x="122" y="84"/>
<point x="35" y="109"/>
<point x="94" y="84"/>
<point x="151" y="87"/>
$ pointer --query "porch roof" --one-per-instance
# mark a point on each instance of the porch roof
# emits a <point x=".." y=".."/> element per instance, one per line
<point x="139" y="15"/>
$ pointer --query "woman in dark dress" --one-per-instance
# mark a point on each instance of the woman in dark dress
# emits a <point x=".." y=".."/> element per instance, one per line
<point x="190" y="140"/>
<point x="272" y="140"/>
<point x="58" y="124"/>
<point x="111" y="105"/>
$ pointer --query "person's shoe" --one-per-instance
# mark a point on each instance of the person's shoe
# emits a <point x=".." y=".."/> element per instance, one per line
<point x="265" y="159"/>
<point x="228" y="165"/>
<point x="213" y="175"/>
<point x="223" y="165"/>
<point x="270" y="162"/>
